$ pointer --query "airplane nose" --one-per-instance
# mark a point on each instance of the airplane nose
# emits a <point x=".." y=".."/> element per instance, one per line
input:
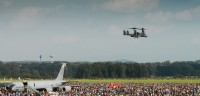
<point x="10" y="87"/>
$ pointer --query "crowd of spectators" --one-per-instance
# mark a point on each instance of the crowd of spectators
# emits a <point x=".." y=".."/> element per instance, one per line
<point x="124" y="89"/>
<point x="134" y="89"/>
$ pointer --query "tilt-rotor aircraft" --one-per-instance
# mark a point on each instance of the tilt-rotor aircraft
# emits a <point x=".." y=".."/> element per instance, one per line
<point x="136" y="34"/>
<point x="47" y="85"/>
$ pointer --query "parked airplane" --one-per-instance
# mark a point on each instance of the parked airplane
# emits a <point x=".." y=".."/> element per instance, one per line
<point x="50" y="85"/>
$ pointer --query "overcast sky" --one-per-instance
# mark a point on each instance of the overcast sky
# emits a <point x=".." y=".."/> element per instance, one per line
<point x="91" y="30"/>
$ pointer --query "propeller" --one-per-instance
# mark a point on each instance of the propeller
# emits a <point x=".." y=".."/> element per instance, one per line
<point x="133" y="28"/>
<point x="142" y="29"/>
<point x="127" y="32"/>
<point x="124" y="32"/>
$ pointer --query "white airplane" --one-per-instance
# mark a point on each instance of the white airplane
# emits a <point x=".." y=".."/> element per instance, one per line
<point x="47" y="85"/>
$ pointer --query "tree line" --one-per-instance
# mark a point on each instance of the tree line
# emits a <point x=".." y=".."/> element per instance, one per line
<point x="92" y="70"/>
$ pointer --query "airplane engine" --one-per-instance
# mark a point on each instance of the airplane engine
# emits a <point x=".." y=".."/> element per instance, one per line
<point x="124" y="32"/>
<point x="127" y="33"/>
<point x="49" y="89"/>
<point x="67" y="88"/>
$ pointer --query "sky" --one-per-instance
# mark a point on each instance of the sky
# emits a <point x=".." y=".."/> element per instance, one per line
<point x="92" y="30"/>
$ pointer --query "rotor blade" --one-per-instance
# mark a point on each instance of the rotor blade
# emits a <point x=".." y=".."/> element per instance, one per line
<point x="124" y="32"/>
<point x="142" y="29"/>
<point x="133" y="28"/>
<point x="127" y="33"/>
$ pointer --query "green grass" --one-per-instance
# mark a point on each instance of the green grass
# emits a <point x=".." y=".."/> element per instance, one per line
<point x="123" y="80"/>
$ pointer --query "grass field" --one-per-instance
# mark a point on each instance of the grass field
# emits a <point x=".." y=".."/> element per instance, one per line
<point x="125" y="80"/>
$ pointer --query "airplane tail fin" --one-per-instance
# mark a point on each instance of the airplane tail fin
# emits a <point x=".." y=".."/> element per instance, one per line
<point x="61" y="73"/>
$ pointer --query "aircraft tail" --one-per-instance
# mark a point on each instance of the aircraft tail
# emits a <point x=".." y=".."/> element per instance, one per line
<point x="61" y="73"/>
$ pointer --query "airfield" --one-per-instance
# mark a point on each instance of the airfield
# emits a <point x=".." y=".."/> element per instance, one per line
<point x="126" y="87"/>
<point x="147" y="80"/>
<point x="68" y="86"/>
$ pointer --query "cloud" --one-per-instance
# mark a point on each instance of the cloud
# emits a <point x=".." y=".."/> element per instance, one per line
<point x="158" y="29"/>
<point x="7" y="3"/>
<point x="56" y="9"/>
<point x="185" y="15"/>
<point x="114" y="30"/>
<point x="197" y="11"/>
<point x="64" y="39"/>
<point x="159" y="16"/>
<point x="25" y="17"/>
<point x="29" y="16"/>
<point x="189" y="14"/>
<point x="129" y="5"/>
<point x="195" y="40"/>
